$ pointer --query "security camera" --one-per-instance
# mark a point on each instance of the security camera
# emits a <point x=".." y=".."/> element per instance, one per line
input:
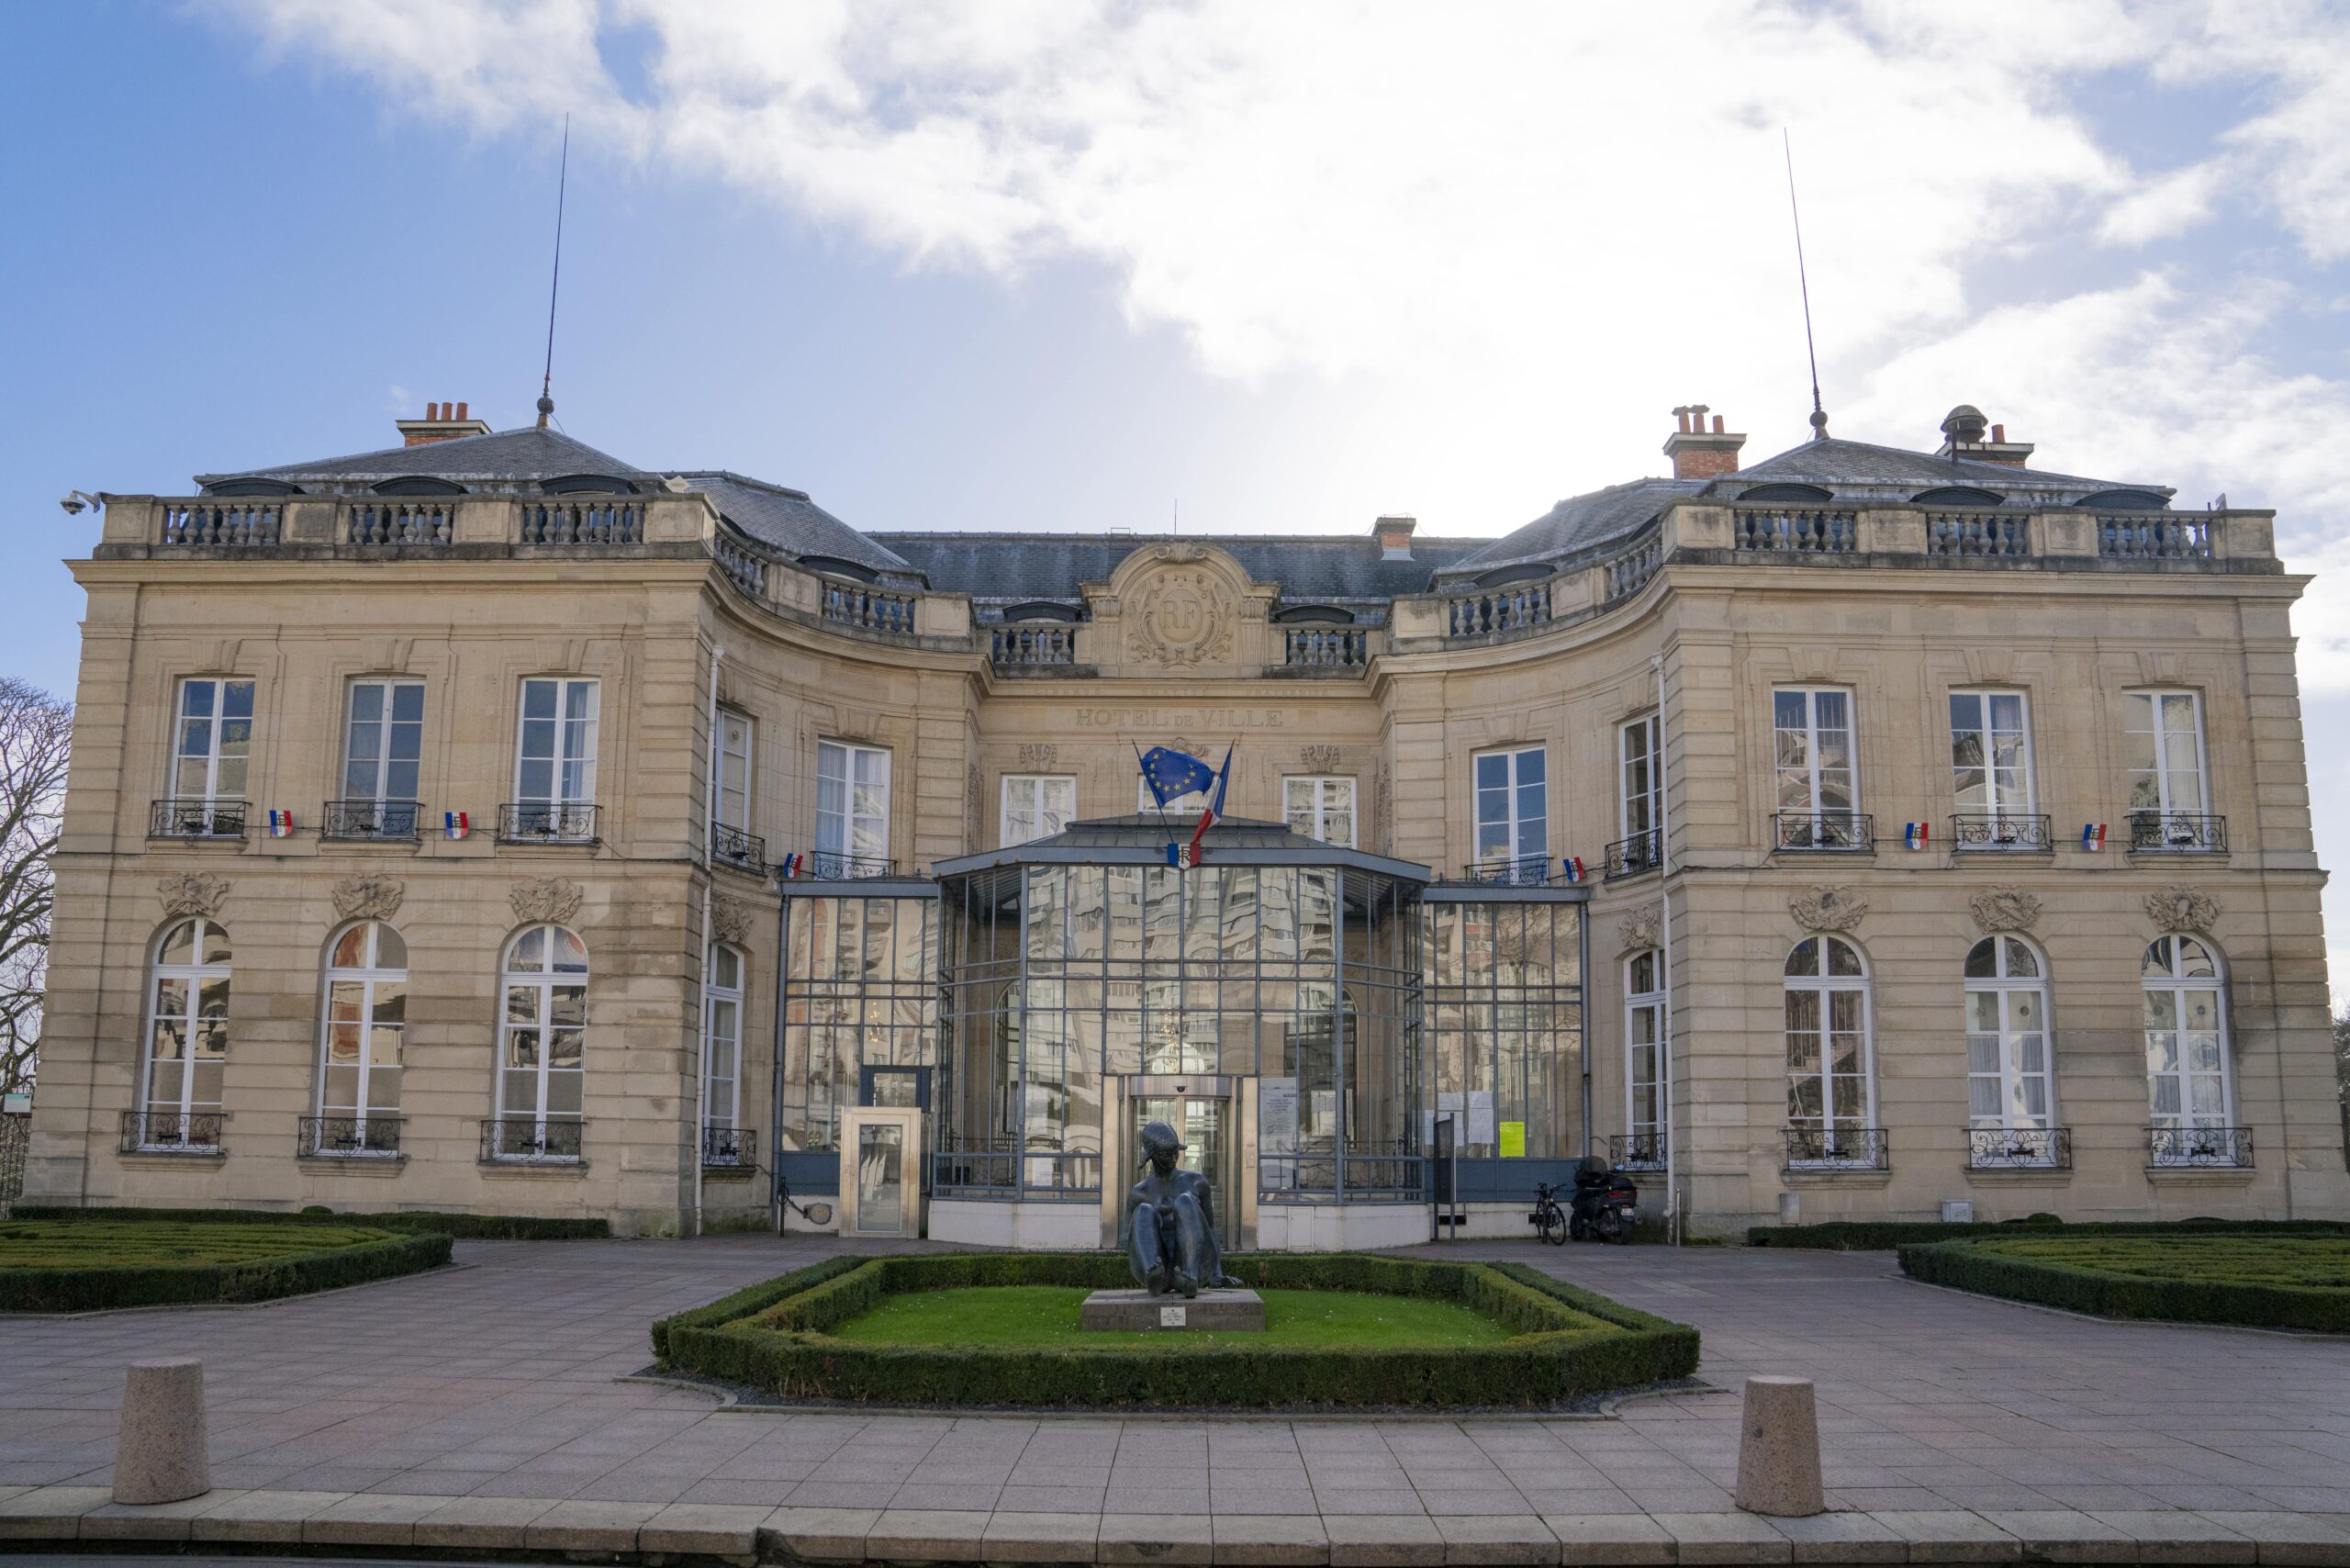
<point x="74" y="500"/>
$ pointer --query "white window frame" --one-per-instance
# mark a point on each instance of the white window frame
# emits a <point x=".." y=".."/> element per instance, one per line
<point x="2008" y="1076"/>
<point x="845" y="829"/>
<point x="1644" y="1016"/>
<point x="571" y="761"/>
<point x="2176" y="985"/>
<point x="1810" y="772"/>
<point x="540" y="1027"/>
<point x="1825" y="985"/>
<point x="216" y="720"/>
<point x="1993" y="802"/>
<point x="378" y="789"/>
<point x="722" y="1020"/>
<point x="1192" y="802"/>
<point x="1639" y="794"/>
<point x="370" y="976"/>
<point x="192" y="976"/>
<point x="732" y="805"/>
<point x="2165" y="804"/>
<point x="1019" y="822"/>
<point x="1528" y="833"/>
<point x="1319" y="807"/>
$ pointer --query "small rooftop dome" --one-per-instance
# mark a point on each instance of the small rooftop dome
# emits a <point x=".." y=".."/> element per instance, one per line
<point x="1966" y="424"/>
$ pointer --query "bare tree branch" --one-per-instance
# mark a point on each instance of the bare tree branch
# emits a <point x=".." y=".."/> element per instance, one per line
<point x="35" y="731"/>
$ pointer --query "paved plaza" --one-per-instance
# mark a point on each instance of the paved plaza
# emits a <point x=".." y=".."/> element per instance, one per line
<point x="443" y="1409"/>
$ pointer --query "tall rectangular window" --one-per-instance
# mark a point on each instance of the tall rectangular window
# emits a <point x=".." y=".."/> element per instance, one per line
<point x="1812" y="750"/>
<point x="852" y="800"/>
<point x="555" y="761"/>
<point x="383" y="741"/>
<point x="1990" y="753"/>
<point x="1513" y="806"/>
<point x="215" y="740"/>
<point x="1644" y="1063"/>
<point x="2163" y="740"/>
<point x="1321" y="809"/>
<point x="1640" y="760"/>
<point x="734" y="733"/>
<point x="1036" y="806"/>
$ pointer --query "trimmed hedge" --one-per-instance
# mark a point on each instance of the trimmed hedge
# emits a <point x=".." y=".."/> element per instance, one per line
<point x="1568" y="1342"/>
<point x="466" y="1227"/>
<point x="1970" y="1265"/>
<point x="1883" y="1235"/>
<point x="86" y="1290"/>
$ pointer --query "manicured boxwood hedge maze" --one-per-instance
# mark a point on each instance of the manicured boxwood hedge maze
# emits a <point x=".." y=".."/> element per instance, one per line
<point x="467" y="1227"/>
<point x="1883" y="1235"/>
<point x="154" y="1262"/>
<point x="2183" y="1277"/>
<point x="1567" y="1343"/>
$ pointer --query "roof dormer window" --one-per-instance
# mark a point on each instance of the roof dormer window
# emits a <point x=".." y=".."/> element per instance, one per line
<point x="419" y="485"/>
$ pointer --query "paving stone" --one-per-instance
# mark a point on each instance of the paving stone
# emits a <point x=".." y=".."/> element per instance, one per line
<point x="1633" y="1541"/>
<point x="481" y="1524"/>
<point x="1277" y="1541"/>
<point x="261" y="1518"/>
<point x="1038" y="1538"/>
<point x="49" y="1513"/>
<point x="822" y="1535"/>
<point x="928" y="1535"/>
<point x="709" y="1529"/>
<point x="1383" y="1540"/>
<point x="571" y="1526"/>
<point x="369" y="1518"/>
<point x="1842" y="1538"/>
<point x="2179" y="1536"/>
<point x="1723" y="1538"/>
<point x="1155" y="1538"/>
<point x="1513" y="1538"/>
<point x="150" y="1522"/>
<point x="2060" y="1535"/>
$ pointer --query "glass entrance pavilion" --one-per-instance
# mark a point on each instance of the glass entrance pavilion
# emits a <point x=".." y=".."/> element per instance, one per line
<point x="1345" y="1042"/>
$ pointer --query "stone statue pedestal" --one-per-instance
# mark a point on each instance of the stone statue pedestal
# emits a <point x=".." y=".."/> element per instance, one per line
<point x="1225" y="1311"/>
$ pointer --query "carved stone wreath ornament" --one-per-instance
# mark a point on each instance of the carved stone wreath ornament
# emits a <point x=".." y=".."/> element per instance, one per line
<point x="192" y="892"/>
<point x="1183" y="618"/>
<point x="1828" y="909"/>
<point x="1319" y="758"/>
<point x="2004" y="909"/>
<point x="368" y="898"/>
<point x="1041" y="756"/>
<point x="730" y="920"/>
<point x="550" y="899"/>
<point x="2182" y="909"/>
<point x="1640" y="929"/>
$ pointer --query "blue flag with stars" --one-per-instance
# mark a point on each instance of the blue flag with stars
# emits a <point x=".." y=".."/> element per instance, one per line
<point x="1173" y="774"/>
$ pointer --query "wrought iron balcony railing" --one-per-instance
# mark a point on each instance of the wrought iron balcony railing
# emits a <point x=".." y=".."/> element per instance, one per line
<point x="1003" y="1174"/>
<point x="1998" y="832"/>
<point x="1633" y="856"/>
<point x="350" y="1136"/>
<point x="187" y="816"/>
<point x="2215" y="1147"/>
<point x="546" y="822"/>
<point x="730" y="1149"/>
<point x="1838" y="1149"/>
<point x="827" y="866"/>
<point x="172" y="1132"/>
<point x="2179" y="832"/>
<point x="370" y="819"/>
<point x="1840" y="832"/>
<point x="1637" y="1152"/>
<point x="2019" y="1148"/>
<point x="733" y="847"/>
<point x="1515" y="871"/>
<point x="555" y="1141"/>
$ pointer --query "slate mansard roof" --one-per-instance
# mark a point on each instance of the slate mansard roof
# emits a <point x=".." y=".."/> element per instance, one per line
<point x="1002" y="569"/>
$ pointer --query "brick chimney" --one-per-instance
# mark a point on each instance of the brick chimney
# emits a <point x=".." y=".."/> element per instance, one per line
<point x="442" y="421"/>
<point x="1964" y="435"/>
<point x="1394" y="536"/>
<point x="1698" y="452"/>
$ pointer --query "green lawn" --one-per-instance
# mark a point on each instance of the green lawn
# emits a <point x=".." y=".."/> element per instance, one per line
<point x="163" y="1244"/>
<point x="2320" y="1262"/>
<point x="1048" y="1315"/>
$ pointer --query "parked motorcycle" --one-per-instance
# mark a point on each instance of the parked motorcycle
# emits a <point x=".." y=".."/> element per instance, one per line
<point x="1606" y="1203"/>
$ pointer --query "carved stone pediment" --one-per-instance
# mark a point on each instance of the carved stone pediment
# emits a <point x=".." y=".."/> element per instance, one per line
<point x="2182" y="909"/>
<point x="550" y="899"/>
<point x="1640" y="929"/>
<point x="192" y="892"/>
<point x="368" y="898"/>
<point x="1828" y="909"/>
<point x="2004" y="909"/>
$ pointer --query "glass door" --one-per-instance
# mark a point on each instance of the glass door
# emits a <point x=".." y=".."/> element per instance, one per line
<point x="1204" y="1122"/>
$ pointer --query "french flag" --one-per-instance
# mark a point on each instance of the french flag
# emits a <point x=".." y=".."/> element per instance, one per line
<point x="2093" y="835"/>
<point x="456" y="825"/>
<point x="1914" y="835"/>
<point x="1191" y="855"/>
<point x="791" y="866"/>
<point x="1572" y="866"/>
<point x="281" y="824"/>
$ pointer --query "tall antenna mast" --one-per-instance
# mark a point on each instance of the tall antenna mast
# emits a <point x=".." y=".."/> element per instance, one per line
<point x="1819" y="414"/>
<point x="561" y="182"/>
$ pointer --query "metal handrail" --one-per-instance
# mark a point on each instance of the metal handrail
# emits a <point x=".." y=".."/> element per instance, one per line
<point x="192" y="816"/>
<point x="350" y="1136"/>
<point x="1830" y="831"/>
<point x="2179" y="832"/>
<point x="367" y="819"/>
<point x="1997" y="831"/>
<point x="2019" y="1148"/>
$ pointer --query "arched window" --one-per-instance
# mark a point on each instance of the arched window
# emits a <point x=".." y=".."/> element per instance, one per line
<point x="360" y="1044"/>
<point x="722" y="1012"/>
<point x="544" y="1046"/>
<point x="2010" y="1106"/>
<point x="187" y="1040"/>
<point x="2191" y="1103"/>
<point x="1831" y="1092"/>
<point x="1644" y="1062"/>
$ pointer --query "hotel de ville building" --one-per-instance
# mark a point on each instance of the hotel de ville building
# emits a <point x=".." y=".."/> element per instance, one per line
<point x="488" y="823"/>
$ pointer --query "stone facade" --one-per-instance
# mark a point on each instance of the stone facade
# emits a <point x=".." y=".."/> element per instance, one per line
<point x="1182" y="643"/>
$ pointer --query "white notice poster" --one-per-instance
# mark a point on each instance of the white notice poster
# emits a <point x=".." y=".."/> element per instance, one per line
<point x="1277" y="1114"/>
<point x="1480" y="1117"/>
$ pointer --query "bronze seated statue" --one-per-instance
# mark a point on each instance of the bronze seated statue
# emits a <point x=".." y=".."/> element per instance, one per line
<point x="1171" y="1242"/>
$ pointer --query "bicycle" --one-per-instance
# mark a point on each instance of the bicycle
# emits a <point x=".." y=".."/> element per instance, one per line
<point x="1549" y="1222"/>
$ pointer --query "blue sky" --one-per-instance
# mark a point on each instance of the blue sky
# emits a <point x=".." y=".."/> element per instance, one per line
<point x="1047" y="264"/>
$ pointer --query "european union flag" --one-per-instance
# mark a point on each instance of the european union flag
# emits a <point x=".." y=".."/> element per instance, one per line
<point x="1173" y="774"/>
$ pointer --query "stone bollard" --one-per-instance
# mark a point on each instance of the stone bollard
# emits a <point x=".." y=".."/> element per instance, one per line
<point x="159" y="1453"/>
<point x="1778" y="1449"/>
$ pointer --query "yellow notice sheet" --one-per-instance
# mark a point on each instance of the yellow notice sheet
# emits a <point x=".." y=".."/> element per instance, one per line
<point x="1513" y="1141"/>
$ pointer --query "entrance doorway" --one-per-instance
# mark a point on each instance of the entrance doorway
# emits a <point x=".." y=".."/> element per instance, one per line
<point x="1200" y="1110"/>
